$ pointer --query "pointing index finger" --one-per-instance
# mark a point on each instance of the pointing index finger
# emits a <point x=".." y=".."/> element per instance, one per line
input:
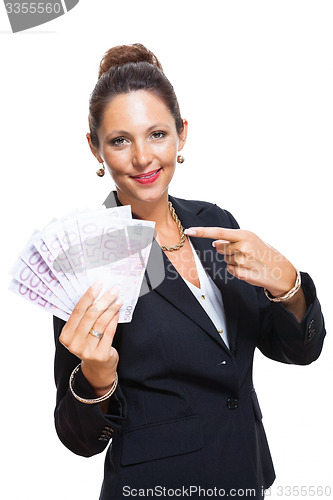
<point x="216" y="233"/>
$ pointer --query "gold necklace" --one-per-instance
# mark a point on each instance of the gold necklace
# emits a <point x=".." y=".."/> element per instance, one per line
<point x="181" y="231"/>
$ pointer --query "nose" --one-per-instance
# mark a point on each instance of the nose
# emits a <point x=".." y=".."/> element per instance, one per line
<point x="142" y="155"/>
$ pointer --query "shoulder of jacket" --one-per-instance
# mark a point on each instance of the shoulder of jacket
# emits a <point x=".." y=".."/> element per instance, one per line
<point x="194" y="205"/>
<point x="199" y="206"/>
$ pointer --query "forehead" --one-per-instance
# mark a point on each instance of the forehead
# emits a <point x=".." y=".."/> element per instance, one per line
<point x="135" y="110"/>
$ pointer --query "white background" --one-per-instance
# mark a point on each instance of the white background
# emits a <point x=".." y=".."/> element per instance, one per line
<point x="255" y="80"/>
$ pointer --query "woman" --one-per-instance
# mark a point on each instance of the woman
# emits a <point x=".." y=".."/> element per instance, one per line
<point x="173" y="389"/>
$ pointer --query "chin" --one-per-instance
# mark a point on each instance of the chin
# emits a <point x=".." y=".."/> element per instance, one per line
<point x="143" y="193"/>
<point x="151" y="195"/>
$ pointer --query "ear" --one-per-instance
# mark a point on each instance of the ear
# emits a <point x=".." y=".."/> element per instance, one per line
<point x="183" y="135"/>
<point x="94" y="149"/>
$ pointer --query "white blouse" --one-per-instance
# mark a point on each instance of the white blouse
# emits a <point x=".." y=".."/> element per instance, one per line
<point x="209" y="297"/>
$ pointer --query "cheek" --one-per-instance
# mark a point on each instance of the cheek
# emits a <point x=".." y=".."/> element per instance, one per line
<point x="167" y="153"/>
<point x="116" y="161"/>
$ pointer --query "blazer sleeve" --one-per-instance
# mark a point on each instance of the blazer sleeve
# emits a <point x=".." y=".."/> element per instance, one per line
<point x="83" y="428"/>
<point x="281" y="337"/>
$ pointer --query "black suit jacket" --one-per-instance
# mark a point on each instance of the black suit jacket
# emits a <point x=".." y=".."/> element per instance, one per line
<point x="185" y="413"/>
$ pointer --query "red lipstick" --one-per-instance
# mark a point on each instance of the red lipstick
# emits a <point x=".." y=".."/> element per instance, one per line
<point x="147" y="178"/>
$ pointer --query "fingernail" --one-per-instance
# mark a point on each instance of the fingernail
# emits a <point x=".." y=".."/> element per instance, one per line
<point x="222" y="242"/>
<point x="115" y="290"/>
<point x="190" y="232"/>
<point x="96" y="287"/>
<point x="120" y="301"/>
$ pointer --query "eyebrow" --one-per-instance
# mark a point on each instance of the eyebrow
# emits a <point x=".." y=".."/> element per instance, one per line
<point x="115" y="133"/>
<point x="118" y="133"/>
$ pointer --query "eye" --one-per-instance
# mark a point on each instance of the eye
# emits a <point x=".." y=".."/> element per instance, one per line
<point x="118" y="141"/>
<point x="158" y="135"/>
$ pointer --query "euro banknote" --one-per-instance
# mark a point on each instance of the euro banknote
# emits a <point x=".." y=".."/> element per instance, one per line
<point x="59" y="263"/>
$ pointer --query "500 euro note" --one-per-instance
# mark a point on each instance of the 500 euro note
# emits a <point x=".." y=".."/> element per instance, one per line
<point x="71" y="254"/>
<point x="25" y="276"/>
<point x="59" y="263"/>
<point x="123" y="259"/>
<point x="91" y="230"/>
<point x="33" y="259"/>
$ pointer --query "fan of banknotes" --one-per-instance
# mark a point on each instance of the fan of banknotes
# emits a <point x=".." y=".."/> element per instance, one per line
<point x="59" y="263"/>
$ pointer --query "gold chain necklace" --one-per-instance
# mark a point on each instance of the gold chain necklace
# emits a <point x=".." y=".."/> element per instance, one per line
<point x="181" y="231"/>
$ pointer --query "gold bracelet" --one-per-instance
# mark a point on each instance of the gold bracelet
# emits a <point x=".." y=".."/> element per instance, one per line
<point x="289" y="294"/>
<point x="91" y="401"/>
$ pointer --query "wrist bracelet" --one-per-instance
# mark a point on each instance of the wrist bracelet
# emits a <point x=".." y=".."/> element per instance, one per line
<point x="91" y="401"/>
<point x="287" y="295"/>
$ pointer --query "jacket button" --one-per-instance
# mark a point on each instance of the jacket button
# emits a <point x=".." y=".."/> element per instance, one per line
<point x="232" y="403"/>
<point x="311" y="329"/>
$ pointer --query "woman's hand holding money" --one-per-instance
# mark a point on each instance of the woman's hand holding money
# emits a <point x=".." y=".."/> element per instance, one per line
<point x="99" y="359"/>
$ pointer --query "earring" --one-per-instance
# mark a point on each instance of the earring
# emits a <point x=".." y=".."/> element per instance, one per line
<point x="101" y="171"/>
<point x="180" y="159"/>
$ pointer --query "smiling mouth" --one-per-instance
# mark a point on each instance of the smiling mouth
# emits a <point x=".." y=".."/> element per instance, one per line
<point x="147" y="178"/>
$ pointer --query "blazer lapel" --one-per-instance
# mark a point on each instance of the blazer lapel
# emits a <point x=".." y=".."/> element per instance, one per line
<point x="214" y="264"/>
<point x="174" y="289"/>
<point x="217" y="270"/>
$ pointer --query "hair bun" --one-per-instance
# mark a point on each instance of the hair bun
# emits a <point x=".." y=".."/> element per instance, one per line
<point x="123" y="54"/>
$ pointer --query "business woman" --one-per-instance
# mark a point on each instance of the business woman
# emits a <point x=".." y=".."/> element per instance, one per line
<point x="172" y="390"/>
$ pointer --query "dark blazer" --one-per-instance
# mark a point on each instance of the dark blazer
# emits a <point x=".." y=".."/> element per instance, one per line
<point x="185" y="413"/>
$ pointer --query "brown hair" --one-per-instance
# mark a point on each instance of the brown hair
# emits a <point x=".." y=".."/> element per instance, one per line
<point x="124" y="69"/>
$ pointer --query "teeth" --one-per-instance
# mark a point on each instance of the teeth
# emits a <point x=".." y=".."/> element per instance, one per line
<point x="148" y="176"/>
